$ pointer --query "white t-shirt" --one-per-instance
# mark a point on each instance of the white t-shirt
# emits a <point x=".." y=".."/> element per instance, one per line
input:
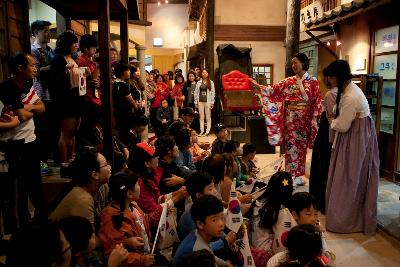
<point x="25" y="130"/>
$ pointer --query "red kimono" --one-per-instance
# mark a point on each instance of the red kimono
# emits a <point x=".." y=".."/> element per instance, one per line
<point x="292" y="108"/>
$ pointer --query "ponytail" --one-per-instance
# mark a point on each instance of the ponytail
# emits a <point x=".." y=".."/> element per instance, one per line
<point x="341" y="70"/>
<point x="120" y="183"/>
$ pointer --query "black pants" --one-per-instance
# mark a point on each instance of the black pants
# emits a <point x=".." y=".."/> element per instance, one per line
<point x="24" y="167"/>
<point x="47" y="130"/>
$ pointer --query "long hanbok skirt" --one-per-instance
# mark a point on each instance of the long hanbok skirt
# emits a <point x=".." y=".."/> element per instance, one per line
<point x="321" y="156"/>
<point x="353" y="178"/>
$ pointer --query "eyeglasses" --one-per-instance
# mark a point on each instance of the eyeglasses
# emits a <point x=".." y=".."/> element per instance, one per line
<point x="105" y="165"/>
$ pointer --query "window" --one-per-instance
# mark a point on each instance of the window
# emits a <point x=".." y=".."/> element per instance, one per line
<point x="263" y="73"/>
<point x="385" y="64"/>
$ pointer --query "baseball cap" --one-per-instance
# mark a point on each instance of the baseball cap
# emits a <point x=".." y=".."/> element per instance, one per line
<point x="151" y="151"/>
<point x="218" y="127"/>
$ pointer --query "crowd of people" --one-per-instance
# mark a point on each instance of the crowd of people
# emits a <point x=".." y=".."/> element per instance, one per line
<point x="110" y="215"/>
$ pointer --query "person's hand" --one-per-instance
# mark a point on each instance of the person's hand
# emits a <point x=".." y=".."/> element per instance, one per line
<point x="179" y="195"/>
<point x="134" y="242"/>
<point x="148" y="259"/>
<point x="205" y="154"/>
<point x="96" y="82"/>
<point x="69" y="66"/>
<point x="174" y="180"/>
<point x="230" y="238"/>
<point x="245" y="198"/>
<point x="117" y="256"/>
<point x="125" y="151"/>
<point x="9" y="117"/>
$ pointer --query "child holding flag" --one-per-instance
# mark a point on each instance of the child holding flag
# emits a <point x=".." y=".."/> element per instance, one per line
<point x="271" y="219"/>
<point x="122" y="221"/>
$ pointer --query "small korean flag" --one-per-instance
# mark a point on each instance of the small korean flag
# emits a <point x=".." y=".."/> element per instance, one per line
<point x="233" y="218"/>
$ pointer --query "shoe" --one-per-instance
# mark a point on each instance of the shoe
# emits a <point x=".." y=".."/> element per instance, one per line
<point x="206" y="133"/>
<point x="299" y="181"/>
<point x="201" y="133"/>
<point x="45" y="169"/>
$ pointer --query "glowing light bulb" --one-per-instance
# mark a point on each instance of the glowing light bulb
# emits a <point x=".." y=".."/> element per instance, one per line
<point x="328" y="43"/>
<point x="159" y="3"/>
<point x="338" y="43"/>
<point x="166" y="1"/>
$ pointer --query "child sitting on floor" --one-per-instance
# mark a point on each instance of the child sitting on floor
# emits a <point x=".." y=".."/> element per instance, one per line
<point x="222" y="137"/>
<point x="124" y="222"/>
<point x="304" y="248"/>
<point x="271" y="219"/>
<point x="248" y="166"/>
<point x="303" y="207"/>
<point x="207" y="213"/>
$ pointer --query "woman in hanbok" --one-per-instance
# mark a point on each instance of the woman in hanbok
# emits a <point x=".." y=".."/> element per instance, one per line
<point x="321" y="154"/>
<point x="352" y="187"/>
<point x="292" y="108"/>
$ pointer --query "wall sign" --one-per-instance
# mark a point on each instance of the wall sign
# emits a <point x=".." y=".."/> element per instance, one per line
<point x="387" y="39"/>
<point x="309" y="12"/>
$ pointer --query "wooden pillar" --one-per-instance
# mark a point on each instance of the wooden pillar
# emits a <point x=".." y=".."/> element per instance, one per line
<point x="292" y="33"/>
<point x="210" y="37"/>
<point x="105" y="74"/>
<point x="124" y="37"/>
<point x="61" y="23"/>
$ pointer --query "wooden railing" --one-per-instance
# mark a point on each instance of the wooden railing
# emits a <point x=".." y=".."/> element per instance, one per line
<point x="326" y="4"/>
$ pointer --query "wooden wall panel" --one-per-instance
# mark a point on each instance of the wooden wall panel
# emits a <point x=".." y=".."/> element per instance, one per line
<point x="249" y="33"/>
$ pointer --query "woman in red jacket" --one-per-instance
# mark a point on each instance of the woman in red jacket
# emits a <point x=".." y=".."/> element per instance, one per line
<point x="161" y="93"/>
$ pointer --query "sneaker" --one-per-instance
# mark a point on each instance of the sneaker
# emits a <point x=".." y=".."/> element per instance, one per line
<point x="298" y="181"/>
<point x="44" y="168"/>
<point x="201" y="133"/>
<point x="206" y="133"/>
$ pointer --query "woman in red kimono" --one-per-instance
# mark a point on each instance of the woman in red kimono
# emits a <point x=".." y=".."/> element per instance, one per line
<point x="292" y="108"/>
<point x="177" y="91"/>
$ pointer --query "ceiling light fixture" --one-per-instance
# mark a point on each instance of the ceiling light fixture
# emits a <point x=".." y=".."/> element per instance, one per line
<point x="159" y="3"/>
<point x="166" y="1"/>
<point x="338" y="43"/>
<point x="328" y="43"/>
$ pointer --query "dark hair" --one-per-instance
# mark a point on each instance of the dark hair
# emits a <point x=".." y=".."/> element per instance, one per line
<point x="304" y="245"/>
<point x="78" y="231"/>
<point x="135" y="121"/>
<point x="35" y="245"/>
<point x="87" y="41"/>
<point x="303" y="59"/>
<point x="229" y="160"/>
<point x="215" y="165"/>
<point x="159" y="75"/>
<point x="302" y="200"/>
<point x="170" y="75"/>
<point x="190" y="72"/>
<point x="248" y="149"/>
<point x="341" y="70"/>
<point x="120" y="183"/>
<point x="177" y="75"/>
<point x="133" y="69"/>
<point x="277" y="193"/>
<point x="230" y="146"/>
<point x="200" y="258"/>
<point x="38" y="25"/>
<point x="174" y="128"/>
<point x="120" y="68"/>
<point x="207" y="81"/>
<point x="183" y="139"/>
<point x="83" y="165"/>
<point x="17" y="60"/>
<point x="64" y="42"/>
<point x="197" y="182"/>
<point x="164" y="144"/>
<point x="205" y="206"/>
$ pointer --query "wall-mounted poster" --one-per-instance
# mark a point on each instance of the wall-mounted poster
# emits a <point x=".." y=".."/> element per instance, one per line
<point x="386" y="66"/>
<point x="386" y="39"/>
